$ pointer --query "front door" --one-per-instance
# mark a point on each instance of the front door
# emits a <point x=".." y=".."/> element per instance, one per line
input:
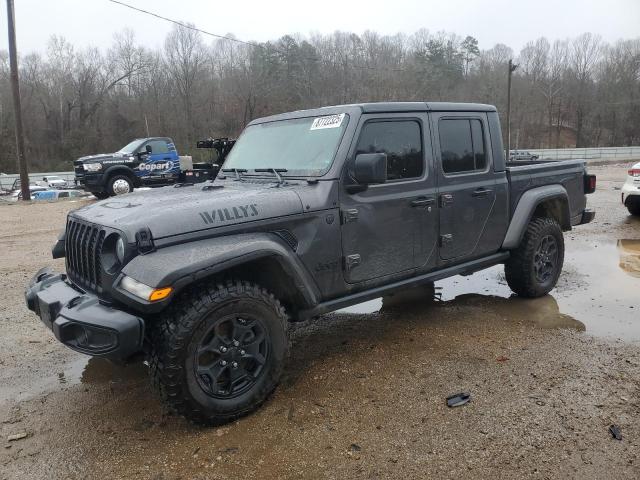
<point x="162" y="161"/>
<point x="467" y="185"/>
<point x="390" y="228"/>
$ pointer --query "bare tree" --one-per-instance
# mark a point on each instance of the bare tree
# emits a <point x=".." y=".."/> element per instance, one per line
<point x="186" y="59"/>
<point x="574" y="92"/>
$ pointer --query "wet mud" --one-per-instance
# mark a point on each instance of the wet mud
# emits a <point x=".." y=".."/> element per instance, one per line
<point x="364" y="392"/>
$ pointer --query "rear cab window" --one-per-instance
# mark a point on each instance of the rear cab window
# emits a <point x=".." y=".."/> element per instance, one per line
<point x="462" y="145"/>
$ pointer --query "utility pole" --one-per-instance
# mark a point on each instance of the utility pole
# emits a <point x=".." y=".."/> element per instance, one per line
<point x="17" y="108"/>
<point x="511" y="68"/>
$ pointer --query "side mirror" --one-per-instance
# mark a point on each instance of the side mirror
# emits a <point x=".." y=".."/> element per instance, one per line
<point x="370" y="168"/>
<point x="148" y="149"/>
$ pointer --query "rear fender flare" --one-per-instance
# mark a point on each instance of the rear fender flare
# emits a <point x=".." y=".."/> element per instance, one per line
<point x="527" y="205"/>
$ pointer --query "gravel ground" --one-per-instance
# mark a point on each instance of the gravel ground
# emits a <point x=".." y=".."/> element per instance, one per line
<point x="364" y="394"/>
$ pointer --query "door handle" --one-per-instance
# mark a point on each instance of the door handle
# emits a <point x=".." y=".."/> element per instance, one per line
<point x="481" y="192"/>
<point x="422" y="202"/>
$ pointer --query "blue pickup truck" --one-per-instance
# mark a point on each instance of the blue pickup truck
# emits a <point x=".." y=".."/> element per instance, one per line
<point x="150" y="161"/>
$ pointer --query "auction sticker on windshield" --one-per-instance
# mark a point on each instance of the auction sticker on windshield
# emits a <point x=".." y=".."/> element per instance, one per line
<point x="330" y="121"/>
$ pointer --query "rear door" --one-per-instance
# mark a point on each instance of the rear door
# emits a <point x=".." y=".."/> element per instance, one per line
<point x="391" y="228"/>
<point x="467" y="185"/>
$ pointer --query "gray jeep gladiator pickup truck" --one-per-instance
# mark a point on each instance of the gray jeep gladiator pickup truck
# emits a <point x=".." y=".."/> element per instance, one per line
<point x="316" y="210"/>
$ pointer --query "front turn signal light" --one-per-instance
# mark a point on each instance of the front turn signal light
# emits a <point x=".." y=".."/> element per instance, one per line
<point x="160" y="294"/>
<point x="144" y="291"/>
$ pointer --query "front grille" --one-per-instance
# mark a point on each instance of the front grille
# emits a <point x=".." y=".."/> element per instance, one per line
<point x="83" y="244"/>
<point x="78" y="170"/>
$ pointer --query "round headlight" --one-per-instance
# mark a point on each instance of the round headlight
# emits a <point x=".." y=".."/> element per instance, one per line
<point x="120" y="250"/>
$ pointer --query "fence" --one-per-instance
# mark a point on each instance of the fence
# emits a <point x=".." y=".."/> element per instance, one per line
<point x="590" y="154"/>
<point x="6" y="181"/>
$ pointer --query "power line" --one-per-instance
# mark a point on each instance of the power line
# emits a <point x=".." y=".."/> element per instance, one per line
<point x="232" y="39"/>
<point x="185" y="25"/>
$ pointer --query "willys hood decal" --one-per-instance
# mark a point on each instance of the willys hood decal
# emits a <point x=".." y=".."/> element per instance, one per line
<point x="170" y="211"/>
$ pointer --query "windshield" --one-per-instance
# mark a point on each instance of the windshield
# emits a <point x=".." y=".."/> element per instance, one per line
<point x="302" y="146"/>
<point x="131" y="147"/>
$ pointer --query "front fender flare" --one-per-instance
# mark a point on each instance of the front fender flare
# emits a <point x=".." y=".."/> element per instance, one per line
<point x="181" y="265"/>
<point x="527" y="205"/>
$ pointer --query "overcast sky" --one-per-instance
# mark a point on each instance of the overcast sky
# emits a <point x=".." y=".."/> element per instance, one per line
<point x="513" y="22"/>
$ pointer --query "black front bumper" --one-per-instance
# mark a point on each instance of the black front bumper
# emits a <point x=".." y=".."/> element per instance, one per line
<point x="93" y="182"/>
<point x="80" y="321"/>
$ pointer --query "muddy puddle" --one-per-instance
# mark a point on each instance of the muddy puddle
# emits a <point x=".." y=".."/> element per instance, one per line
<point x="598" y="291"/>
<point x="85" y="370"/>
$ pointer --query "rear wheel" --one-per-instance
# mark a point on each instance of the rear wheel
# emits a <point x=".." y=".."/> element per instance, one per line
<point x="633" y="205"/>
<point x="534" y="267"/>
<point x="219" y="351"/>
<point x="119" y="185"/>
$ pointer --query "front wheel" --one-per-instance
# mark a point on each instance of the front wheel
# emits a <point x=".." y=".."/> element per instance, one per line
<point x="219" y="351"/>
<point x="119" y="185"/>
<point x="534" y="267"/>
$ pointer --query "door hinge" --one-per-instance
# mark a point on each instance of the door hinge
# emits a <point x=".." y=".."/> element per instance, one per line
<point x="446" y="239"/>
<point x="350" y="215"/>
<point x="446" y="199"/>
<point x="351" y="261"/>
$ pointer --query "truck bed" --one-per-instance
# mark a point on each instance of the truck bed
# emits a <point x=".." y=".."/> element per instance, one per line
<point x="526" y="175"/>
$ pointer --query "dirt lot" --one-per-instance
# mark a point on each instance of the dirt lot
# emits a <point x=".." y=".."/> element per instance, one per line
<point x="364" y="396"/>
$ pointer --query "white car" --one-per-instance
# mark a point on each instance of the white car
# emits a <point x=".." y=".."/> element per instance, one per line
<point x="631" y="190"/>
<point x="54" y="181"/>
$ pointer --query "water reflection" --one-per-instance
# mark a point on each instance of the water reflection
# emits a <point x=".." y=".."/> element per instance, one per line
<point x="99" y="370"/>
<point x="542" y="312"/>
<point x="630" y="256"/>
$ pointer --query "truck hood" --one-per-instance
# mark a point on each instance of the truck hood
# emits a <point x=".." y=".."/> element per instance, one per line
<point x="171" y="211"/>
<point x="99" y="157"/>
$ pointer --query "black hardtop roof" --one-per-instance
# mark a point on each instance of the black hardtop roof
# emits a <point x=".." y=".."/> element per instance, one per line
<point x="382" y="107"/>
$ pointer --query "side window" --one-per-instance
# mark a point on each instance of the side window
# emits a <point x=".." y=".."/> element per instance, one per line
<point x="462" y="146"/>
<point x="63" y="195"/>
<point x="158" y="146"/>
<point x="400" y="140"/>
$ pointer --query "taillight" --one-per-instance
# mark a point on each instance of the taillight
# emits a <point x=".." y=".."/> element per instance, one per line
<point x="634" y="172"/>
<point x="589" y="183"/>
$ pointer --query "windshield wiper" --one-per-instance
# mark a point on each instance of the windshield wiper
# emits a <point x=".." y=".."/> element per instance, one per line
<point x="276" y="172"/>
<point x="237" y="171"/>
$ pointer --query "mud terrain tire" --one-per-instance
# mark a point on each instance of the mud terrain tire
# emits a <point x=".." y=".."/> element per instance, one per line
<point x="218" y="351"/>
<point x="534" y="267"/>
